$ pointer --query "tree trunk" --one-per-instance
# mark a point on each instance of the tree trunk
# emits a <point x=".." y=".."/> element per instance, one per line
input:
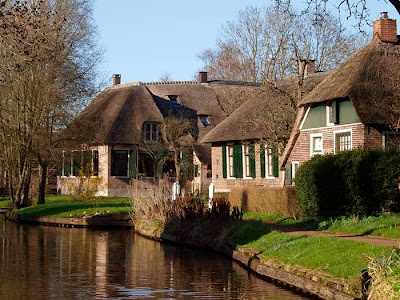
<point x="42" y="184"/>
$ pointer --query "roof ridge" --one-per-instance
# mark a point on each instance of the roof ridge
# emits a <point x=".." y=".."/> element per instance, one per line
<point x="169" y="82"/>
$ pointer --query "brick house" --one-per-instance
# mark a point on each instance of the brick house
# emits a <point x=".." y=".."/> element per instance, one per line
<point x="356" y="106"/>
<point x="126" y="149"/>
<point x="245" y="146"/>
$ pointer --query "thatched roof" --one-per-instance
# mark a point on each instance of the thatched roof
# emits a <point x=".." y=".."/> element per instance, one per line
<point x="268" y="113"/>
<point x="118" y="114"/>
<point x="370" y="79"/>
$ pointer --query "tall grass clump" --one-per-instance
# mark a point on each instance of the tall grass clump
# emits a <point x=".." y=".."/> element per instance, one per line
<point x="385" y="276"/>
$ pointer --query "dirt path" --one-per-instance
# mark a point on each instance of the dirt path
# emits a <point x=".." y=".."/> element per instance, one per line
<point x="375" y="240"/>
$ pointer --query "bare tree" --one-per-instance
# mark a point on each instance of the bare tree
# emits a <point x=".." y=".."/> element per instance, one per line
<point x="167" y="76"/>
<point x="47" y="65"/>
<point x="177" y="131"/>
<point x="357" y="9"/>
<point x="268" y="44"/>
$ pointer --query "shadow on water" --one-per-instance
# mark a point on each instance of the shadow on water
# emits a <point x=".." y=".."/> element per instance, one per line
<point x="49" y="262"/>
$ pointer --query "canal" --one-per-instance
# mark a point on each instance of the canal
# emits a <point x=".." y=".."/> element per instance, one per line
<point x="72" y="263"/>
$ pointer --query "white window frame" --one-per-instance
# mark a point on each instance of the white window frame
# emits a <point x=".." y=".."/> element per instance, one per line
<point x="150" y="124"/>
<point x="328" y="124"/>
<point x="294" y="164"/>
<point x="312" y="136"/>
<point x="268" y="163"/>
<point x="246" y="159"/>
<point x="228" y="165"/>
<point x="339" y="132"/>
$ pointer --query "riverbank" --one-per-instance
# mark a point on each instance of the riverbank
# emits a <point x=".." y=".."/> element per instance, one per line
<point x="323" y="266"/>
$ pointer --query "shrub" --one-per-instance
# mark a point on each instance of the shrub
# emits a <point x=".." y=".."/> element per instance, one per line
<point x="87" y="185"/>
<point x="360" y="182"/>
<point x="265" y="200"/>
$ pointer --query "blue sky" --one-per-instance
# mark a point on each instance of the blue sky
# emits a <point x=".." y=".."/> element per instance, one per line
<point x="145" y="39"/>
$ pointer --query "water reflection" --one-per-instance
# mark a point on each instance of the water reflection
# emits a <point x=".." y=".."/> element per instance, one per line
<point x="45" y="262"/>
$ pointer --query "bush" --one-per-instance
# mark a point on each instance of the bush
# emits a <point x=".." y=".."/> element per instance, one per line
<point x="266" y="200"/>
<point x="360" y="182"/>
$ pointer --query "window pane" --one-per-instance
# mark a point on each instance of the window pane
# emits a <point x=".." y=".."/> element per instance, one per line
<point x="246" y="160"/>
<point x="343" y="141"/>
<point x="154" y="132"/>
<point x="230" y="161"/>
<point x="67" y="164"/>
<point x="120" y="163"/>
<point x="95" y="162"/>
<point x="76" y="156"/>
<point x="268" y="161"/>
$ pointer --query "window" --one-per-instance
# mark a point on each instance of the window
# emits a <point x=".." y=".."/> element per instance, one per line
<point x="246" y="161"/>
<point x="316" y="147"/>
<point x="66" y="164"/>
<point x="173" y="100"/>
<point x="295" y="167"/>
<point x="230" y="161"/>
<point x="76" y="162"/>
<point x="151" y="132"/>
<point x="392" y="141"/>
<point x="342" y="141"/>
<point x="95" y="162"/>
<point x="269" y="162"/>
<point x="119" y="163"/>
<point x="205" y="121"/>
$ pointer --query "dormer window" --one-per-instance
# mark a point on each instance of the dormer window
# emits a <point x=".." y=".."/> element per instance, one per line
<point x="205" y="121"/>
<point x="151" y="132"/>
<point x="173" y="100"/>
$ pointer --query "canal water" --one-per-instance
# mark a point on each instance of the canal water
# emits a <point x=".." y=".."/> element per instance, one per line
<point x="38" y="262"/>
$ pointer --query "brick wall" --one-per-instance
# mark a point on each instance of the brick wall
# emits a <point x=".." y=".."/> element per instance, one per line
<point x="225" y="185"/>
<point x="362" y="137"/>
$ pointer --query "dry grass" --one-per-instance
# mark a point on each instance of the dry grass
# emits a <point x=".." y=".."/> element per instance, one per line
<point x="266" y="200"/>
<point x="385" y="273"/>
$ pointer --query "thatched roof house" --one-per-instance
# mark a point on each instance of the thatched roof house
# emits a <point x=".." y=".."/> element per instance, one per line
<point x="126" y="120"/>
<point x="356" y="106"/>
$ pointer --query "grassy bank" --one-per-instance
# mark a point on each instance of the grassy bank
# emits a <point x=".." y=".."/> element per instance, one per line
<point x="62" y="207"/>
<point x="336" y="257"/>
<point x="384" y="225"/>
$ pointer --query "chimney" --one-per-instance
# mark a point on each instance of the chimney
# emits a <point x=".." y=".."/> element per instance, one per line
<point x="386" y="29"/>
<point x="202" y="77"/>
<point x="308" y="65"/>
<point x="116" y="79"/>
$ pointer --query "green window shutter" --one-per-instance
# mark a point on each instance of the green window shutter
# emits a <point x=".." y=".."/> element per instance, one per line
<point x="335" y="112"/>
<point x="288" y="173"/>
<point x="252" y="161"/>
<point x="132" y="163"/>
<point x="262" y="160"/>
<point x="224" y="170"/>
<point x="238" y="161"/>
<point x="275" y="163"/>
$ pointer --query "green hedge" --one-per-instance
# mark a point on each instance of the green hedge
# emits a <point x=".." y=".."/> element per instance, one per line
<point x="359" y="182"/>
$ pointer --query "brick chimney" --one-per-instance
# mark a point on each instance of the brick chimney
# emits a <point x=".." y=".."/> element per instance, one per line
<point x="386" y="29"/>
<point x="308" y="65"/>
<point x="202" y="77"/>
<point x="116" y="79"/>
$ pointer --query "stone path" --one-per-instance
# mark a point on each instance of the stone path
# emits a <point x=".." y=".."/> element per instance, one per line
<point x="375" y="240"/>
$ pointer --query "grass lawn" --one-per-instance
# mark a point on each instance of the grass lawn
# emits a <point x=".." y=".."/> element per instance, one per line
<point x="384" y="225"/>
<point x="62" y="207"/>
<point x="340" y="258"/>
